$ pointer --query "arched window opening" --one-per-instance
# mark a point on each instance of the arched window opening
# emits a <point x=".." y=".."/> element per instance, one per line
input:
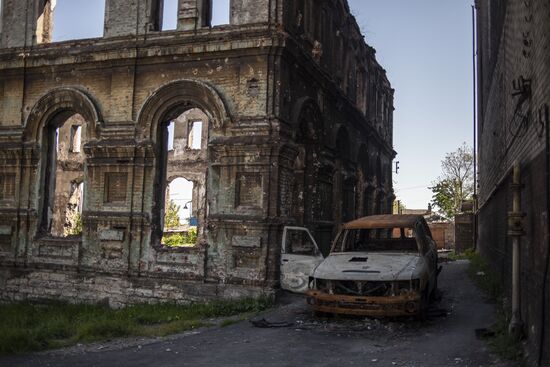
<point x="180" y="199"/>
<point x="64" y="176"/>
<point x="63" y="20"/>
<point x="180" y="221"/>
<point x="169" y="10"/>
<point x="221" y="12"/>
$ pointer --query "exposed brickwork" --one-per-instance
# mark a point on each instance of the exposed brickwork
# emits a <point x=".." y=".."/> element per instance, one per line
<point x="298" y="132"/>
<point x="514" y="44"/>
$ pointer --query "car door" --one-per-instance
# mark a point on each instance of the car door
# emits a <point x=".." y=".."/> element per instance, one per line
<point x="300" y="255"/>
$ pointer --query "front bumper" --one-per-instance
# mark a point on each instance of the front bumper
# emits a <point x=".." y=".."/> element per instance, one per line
<point x="404" y="305"/>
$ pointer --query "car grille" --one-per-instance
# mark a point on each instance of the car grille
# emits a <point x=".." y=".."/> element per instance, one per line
<point x="367" y="289"/>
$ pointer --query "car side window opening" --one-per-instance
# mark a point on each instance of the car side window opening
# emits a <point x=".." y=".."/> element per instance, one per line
<point x="422" y="239"/>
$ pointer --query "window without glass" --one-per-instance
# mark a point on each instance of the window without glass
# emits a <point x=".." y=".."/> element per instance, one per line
<point x="171" y="126"/>
<point x="195" y="135"/>
<point x="63" y="167"/>
<point x="76" y="138"/>
<point x="221" y="12"/>
<point x="181" y="179"/>
<point x="61" y="15"/>
<point x="179" y="204"/>
<point x="169" y="14"/>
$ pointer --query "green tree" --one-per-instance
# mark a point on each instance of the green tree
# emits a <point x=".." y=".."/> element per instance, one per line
<point x="172" y="218"/>
<point x="456" y="183"/>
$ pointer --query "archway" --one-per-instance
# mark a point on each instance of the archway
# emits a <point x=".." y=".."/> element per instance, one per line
<point x="61" y="122"/>
<point x="178" y="119"/>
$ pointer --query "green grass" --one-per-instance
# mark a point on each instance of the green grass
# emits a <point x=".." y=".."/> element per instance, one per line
<point x="26" y="327"/>
<point x="502" y="343"/>
<point x="466" y="255"/>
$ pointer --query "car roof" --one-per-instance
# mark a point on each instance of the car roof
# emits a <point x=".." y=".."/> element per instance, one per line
<point x="385" y="221"/>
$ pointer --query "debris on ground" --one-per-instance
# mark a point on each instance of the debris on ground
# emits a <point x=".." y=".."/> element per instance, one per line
<point x="263" y="323"/>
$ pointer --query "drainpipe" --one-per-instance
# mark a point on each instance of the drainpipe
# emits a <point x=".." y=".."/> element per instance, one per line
<point x="515" y="231"/>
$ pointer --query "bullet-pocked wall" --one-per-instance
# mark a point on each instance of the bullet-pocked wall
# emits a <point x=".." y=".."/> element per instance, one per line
<point x="258" y="120"/>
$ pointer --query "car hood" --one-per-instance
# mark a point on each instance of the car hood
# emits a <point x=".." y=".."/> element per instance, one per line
<point x="363" y="266"/>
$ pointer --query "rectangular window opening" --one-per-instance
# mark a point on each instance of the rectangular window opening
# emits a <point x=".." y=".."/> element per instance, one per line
<point x="169" y="15"/>
<point x="221" y="12"/>
<point x="81" y="194"/>
<point x="195" y="135"/>
<point x="57" y="140"/>
<point x="171" y="127"/>
<point x="71" y="20"/>
<point x="76" y="138"/>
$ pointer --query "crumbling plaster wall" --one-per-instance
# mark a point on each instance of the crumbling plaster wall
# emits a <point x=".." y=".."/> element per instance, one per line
<point x="270" y="104"/>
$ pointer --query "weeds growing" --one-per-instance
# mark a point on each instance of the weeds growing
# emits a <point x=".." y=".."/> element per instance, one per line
<point x="502" y="343"/>
<point x="26" y="327"/>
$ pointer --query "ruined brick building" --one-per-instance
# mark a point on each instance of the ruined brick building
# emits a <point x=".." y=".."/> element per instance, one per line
<point x="282" y="116"/>
<point x="514" y="98"/>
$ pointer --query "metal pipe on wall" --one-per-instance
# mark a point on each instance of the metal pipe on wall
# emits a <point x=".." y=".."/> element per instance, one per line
<point x="474" y="89"/>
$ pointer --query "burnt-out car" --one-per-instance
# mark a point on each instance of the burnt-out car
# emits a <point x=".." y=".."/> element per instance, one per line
<point x="383" y="265"/>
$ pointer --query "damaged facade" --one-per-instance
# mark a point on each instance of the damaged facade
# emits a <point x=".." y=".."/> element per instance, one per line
<point x="514" y="125"/>
<point x="281" y="117"/>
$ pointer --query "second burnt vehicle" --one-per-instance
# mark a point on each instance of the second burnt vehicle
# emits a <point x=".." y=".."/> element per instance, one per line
<point x="382" y="265"/>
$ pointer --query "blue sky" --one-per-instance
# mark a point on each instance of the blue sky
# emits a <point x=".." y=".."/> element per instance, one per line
<point x="67" y="26"/>
<point x="425" y="46"/>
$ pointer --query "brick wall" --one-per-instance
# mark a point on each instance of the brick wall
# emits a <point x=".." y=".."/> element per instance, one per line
<point x="514" y="94"/>
<point x="274" y="113"/>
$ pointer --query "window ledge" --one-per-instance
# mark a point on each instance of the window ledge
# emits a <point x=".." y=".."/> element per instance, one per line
<point x="198" y="248"/>
<point x="48" y="238"/>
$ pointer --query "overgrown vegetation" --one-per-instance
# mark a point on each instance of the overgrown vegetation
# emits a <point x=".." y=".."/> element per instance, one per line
<point x="466" y="255"/>
<point x="502" y="343"/>
<point x="26" y="327"/>
<point x="181" y="239"/>
<point x="77" y="228"/>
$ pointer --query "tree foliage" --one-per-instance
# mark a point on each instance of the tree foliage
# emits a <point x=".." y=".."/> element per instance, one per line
<point x="172" y="218"/>
<point x="456" y="183"/>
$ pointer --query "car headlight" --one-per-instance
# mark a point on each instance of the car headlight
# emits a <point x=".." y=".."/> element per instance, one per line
<point x="404" y="287"/>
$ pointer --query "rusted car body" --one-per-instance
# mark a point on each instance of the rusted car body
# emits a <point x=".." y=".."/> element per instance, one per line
<point x="383" y="265"/>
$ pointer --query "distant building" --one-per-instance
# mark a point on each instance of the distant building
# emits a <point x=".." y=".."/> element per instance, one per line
<point x="441" y="228"/>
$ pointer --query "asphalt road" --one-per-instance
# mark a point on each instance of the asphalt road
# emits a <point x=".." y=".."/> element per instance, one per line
<point x="447" y="339"/>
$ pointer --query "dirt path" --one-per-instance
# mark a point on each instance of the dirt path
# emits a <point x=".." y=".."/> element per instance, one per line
<point x="439" y="342"/>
